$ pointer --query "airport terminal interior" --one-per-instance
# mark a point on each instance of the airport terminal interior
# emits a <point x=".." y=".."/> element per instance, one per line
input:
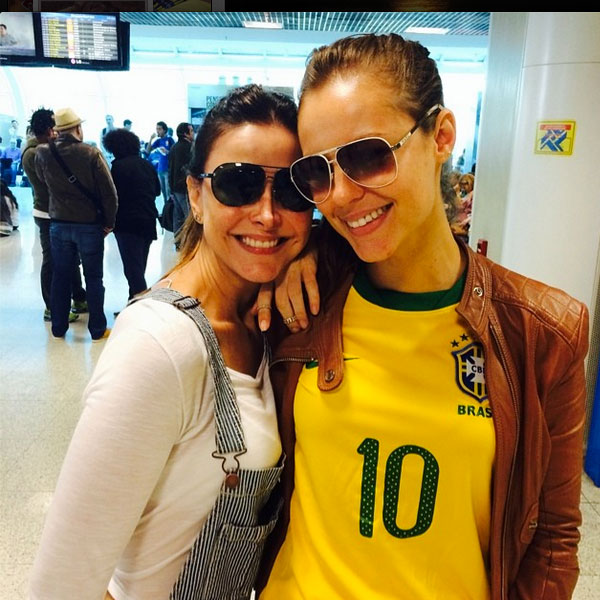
<point x="177" y="66"/>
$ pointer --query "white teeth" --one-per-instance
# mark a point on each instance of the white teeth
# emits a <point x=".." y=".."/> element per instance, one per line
<point x="366" y="219"/>
<point x="258" y="244"/>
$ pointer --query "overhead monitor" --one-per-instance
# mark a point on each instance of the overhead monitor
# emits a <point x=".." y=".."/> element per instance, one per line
<point x="17" y="38"/>
<point x="80" y="39"/>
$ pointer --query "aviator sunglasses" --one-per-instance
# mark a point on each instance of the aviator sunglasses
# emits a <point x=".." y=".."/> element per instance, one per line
<point x="240" y="184"/>
<point x="369" y="162"/>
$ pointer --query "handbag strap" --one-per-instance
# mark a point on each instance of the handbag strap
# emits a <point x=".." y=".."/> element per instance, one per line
<point x="73" y="180"/>
<point x="228" y="424"/>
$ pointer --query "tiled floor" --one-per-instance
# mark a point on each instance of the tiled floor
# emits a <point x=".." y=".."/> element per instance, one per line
<point x="41" y="381"/>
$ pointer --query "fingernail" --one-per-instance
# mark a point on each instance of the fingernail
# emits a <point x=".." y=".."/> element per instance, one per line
<point x="262" y="325"/>
<point x="303" y="323"/>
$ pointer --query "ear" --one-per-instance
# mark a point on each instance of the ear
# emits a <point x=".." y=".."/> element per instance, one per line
<point x="445" y="135"/>
<point x="195" y="190"/>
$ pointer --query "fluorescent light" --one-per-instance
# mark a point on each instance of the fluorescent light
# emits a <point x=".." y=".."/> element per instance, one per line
<point x="262" y="24"/>
<point x="155" y="52"/>
<point x="432" y="30"/>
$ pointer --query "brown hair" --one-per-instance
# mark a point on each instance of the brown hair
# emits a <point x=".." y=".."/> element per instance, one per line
<point x="404" y="64"/>
<point x="400" y="64"/>
<point x="246" y="104"/>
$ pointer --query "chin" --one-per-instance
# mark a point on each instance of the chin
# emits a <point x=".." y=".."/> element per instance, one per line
<point x="371" y="254"/>
<point x="260" y="275"/>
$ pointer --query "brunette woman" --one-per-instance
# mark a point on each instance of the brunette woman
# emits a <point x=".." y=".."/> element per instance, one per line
<point x="165" y="489"/>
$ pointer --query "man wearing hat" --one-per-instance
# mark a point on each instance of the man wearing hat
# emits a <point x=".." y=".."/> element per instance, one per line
<point x="42" y="129"/>
<point x="82" y="208"/>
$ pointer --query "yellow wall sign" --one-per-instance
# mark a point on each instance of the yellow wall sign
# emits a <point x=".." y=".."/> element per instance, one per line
<point x="555" y="137"/>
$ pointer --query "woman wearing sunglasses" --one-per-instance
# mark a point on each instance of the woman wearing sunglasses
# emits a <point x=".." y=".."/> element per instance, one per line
<point x="165" y="490"/>
<point x="432" y="413"/>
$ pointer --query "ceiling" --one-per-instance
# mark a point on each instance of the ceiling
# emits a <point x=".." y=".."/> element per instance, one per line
<point x="458" y="23"/>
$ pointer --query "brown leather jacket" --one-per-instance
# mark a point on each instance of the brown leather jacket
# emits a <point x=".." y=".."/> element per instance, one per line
<point x="535" y="339"/>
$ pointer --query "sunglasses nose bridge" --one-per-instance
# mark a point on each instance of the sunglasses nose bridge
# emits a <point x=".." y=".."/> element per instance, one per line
<point x="342" y="185"/>
<point x="264" y="210"/>
<point x="343" y="188"/>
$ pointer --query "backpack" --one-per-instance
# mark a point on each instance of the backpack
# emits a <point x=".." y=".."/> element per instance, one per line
<point x="166" y="217"/>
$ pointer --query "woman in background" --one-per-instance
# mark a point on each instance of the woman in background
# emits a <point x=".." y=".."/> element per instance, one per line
<point x="137" y="187"/>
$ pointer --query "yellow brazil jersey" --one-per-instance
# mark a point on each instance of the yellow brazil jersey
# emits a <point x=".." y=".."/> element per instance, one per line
<point x="393" y="468"/>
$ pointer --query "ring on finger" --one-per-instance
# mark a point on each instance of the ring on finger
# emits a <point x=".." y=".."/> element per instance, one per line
<point x="290" y="320"/>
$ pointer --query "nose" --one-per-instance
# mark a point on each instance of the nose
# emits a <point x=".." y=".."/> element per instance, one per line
<point x="265" y="212"/>
<point x="343" y="189"/>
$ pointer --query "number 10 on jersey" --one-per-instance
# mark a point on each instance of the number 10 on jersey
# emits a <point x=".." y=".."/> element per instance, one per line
<point x="369" y="448"/>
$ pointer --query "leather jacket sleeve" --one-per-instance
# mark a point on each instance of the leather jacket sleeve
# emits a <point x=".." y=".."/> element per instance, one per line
<point x="549" y="567"/>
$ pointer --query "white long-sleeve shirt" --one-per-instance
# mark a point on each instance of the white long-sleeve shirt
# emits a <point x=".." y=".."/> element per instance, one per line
<point x="139" y="480"/>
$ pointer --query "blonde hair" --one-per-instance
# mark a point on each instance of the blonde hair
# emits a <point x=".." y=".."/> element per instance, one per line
<point x="467" y="177"/>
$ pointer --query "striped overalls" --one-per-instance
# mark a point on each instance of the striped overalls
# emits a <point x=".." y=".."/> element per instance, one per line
<point x="224" y="559"/>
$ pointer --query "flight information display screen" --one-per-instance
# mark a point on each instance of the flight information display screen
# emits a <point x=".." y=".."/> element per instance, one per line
<point x="80" y="38"/>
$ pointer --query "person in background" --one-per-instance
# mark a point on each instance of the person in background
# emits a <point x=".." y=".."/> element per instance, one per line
<point x="160" y="148"/>
<point x="42" y="127"/>
<point x="179" y="157"/>
<point x="13" y="132"/>
<point x="127" y="125"/>
<point x="454" y="178"/>
<point x="6" y="39"/>
<point x="462" y="220"/>
<point x="9" y="211"/>
<point x="452" y="203"/>
<point x="165" y="489"/>
<point x="13" y="154"/>
<point x="466" y="184"/>
<point x="137" y="187"/>
<point x="82" y="214"/>
<point x="460" y="163"/>
<point x="433" y="412"/>
<point x="110" y="126"/>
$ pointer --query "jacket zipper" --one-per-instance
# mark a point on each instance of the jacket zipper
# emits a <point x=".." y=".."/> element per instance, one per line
<point x="513" y="460"/>
<point x="303" y="359"/>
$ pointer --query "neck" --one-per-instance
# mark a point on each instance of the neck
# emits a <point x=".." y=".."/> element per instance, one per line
<point x="428" y="261"/>
<point x="223" y="295"/>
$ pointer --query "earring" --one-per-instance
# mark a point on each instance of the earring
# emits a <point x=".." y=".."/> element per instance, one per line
<point x="197" y="217"/>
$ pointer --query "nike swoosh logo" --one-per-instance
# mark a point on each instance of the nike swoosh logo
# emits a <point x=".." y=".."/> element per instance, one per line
<point x="315" y="363"/>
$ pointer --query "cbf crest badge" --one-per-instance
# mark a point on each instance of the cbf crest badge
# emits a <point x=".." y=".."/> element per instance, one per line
<point x="470" y="372"/>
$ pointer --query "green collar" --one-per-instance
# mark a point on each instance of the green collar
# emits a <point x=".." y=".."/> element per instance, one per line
<point x="404" y="300"/>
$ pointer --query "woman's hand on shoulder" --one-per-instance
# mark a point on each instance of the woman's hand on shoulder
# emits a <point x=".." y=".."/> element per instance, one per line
<point x="289" y="287"/>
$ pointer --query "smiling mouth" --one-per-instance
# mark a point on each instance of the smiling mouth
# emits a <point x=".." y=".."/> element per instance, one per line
<point x="264" y="244"/>
<point x="368" y="218"/>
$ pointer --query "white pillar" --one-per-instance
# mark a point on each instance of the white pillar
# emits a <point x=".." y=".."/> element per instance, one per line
<point x="540" y="212"/>
<point x="551" y="229"/>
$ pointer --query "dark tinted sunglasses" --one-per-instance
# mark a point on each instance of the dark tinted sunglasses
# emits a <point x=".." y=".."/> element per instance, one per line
<point x="369" y="162"/>
<point x="240" y="184"/>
